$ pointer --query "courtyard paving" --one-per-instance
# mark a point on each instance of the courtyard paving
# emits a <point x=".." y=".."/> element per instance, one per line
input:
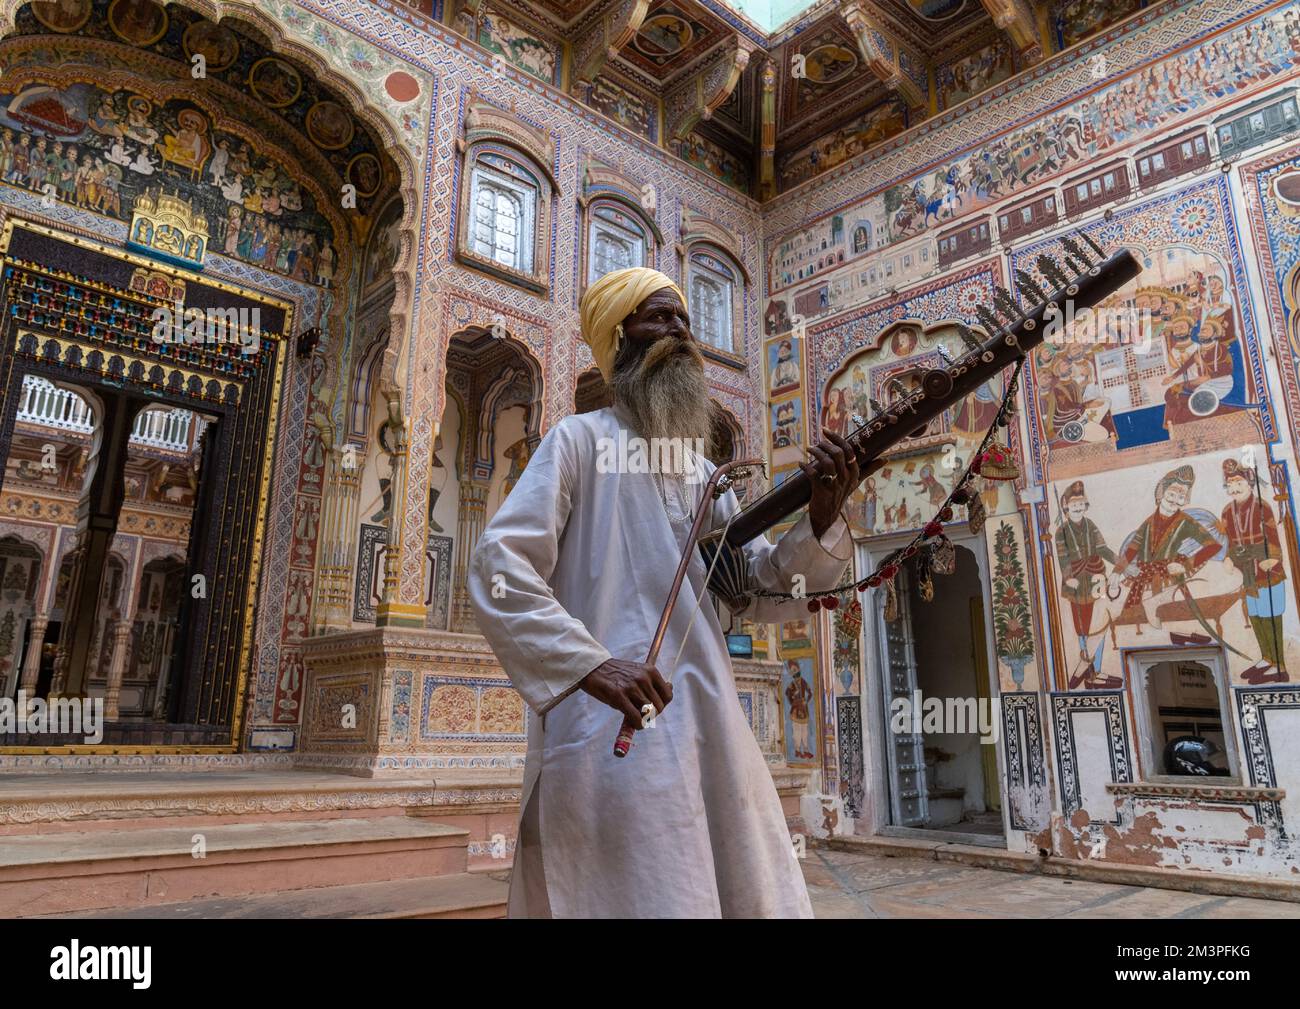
<point x="847" y="884"/>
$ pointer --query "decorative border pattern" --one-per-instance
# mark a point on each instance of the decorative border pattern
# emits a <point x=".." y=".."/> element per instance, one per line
<point x="853" y="786"/>
<point x="1251" y="705"/>
<point x="1025" y="763"/>
<point x="1064" y="706"/>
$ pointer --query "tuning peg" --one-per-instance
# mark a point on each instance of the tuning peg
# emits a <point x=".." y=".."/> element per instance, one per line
<point x="973" y="343"/>
<point x="1091" y="244"/>
<point x="876" y="408"/>
<point x="1029" y="288"/>
<point x="988" y="320"/>
<point x="1006" y="304"/>
<point x="1074" y="254"/>
<point x="858" y="420"/>
<point x="897" y="387"/>
<point x="943" y="353"/>
<point x="1052" y="272"/>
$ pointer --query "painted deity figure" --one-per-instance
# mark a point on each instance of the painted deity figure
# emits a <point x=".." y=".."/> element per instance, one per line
<point x="1255" y="550"/>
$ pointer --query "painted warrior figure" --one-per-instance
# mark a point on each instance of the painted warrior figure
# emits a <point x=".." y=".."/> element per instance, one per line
<point x="799" y="694"/>
<point x="1255" y="550"/>
<point x="1082" y="553"/>
<point x="568" y="581"/>
<point x="1166" y="549"/>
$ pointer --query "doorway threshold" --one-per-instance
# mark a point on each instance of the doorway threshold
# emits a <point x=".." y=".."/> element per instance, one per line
<point x="998" y="841"/>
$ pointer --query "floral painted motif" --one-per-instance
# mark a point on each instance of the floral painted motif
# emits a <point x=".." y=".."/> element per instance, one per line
<point x="1011" y="618"/>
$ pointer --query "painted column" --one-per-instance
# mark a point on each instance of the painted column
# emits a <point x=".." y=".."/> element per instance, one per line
<point x="35" y="640"/>
<point x="121" y="637"/>
<point x="337" y="534"/>
<point x="97" y="518"/>
<point x="469" y="526"/>
<point x="767" y="151"/>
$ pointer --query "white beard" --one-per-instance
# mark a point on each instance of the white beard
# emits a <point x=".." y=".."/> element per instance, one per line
<point x="666" y="394"/>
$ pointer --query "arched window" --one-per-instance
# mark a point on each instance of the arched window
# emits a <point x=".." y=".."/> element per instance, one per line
<point x="503" y="204"/>
<point x="619" y="229"/>
<point x="712" y="288"/>
<point x="616" y="240"/>
<point x="507" y="189"/>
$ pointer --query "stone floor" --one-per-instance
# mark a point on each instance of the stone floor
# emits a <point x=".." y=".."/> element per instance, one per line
<point x="846" y="884"/>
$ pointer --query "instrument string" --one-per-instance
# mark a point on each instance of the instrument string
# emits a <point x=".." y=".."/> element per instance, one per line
<point x="699" y="599"/>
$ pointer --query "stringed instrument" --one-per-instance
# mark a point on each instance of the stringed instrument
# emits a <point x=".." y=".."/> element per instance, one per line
<point x="1084" y="278"/>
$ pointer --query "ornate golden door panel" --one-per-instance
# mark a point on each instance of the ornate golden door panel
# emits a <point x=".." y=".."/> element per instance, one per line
<point x="86" y="316"/>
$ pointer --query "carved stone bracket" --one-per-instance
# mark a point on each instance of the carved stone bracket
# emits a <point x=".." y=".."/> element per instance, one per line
<point x="1016" y="18"/>
<point x="880" y="52"/>
<point x="696" y="97"/>
<point x="602" y="39"/>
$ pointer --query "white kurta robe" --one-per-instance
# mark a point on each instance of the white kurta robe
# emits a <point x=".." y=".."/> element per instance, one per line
<point x="689" y="824"/>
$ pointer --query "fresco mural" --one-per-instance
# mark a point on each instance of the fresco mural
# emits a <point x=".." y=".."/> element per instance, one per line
<point x="1077" y="19"/>
<point x="799" y="711"/>
<point x="1201" y="561"/>
<point x="922" y="470"/>
<point x="1272" y="190"/>
<point x="520" y="46"/>
<point x="103" y="150"/>
<point x="1126" y="110"/>
<point x="783" y="364"/>
<point x="787" y="432"/>
<point x="968" y="76"/>
<point x="717" y="161"/>
<point x="381" y="251"/>
<point x="1166" y="363"/>
<point x="876" y="124"/>
<point x="638" y="114"/>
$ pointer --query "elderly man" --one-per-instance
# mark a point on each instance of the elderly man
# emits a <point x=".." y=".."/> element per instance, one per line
<point x="568" y="581"/>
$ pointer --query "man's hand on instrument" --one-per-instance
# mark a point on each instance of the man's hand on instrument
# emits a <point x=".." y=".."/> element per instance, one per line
<point x="832" y="467"/>
<point x="627" y="687"/>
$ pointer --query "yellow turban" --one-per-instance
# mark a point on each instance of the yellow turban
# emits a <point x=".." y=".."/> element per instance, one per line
<point x="609" y="301"/>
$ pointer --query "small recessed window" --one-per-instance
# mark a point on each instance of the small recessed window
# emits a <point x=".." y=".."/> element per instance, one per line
<point x="1081" y="192"/>
<point x="1181" y="702"/>
<point x="1026" y="215"/>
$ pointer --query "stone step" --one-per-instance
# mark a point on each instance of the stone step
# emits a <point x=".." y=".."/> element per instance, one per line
<point x="463" y="895"/>
<point x="53" y="873"/>
<point x="77" y="801"/>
